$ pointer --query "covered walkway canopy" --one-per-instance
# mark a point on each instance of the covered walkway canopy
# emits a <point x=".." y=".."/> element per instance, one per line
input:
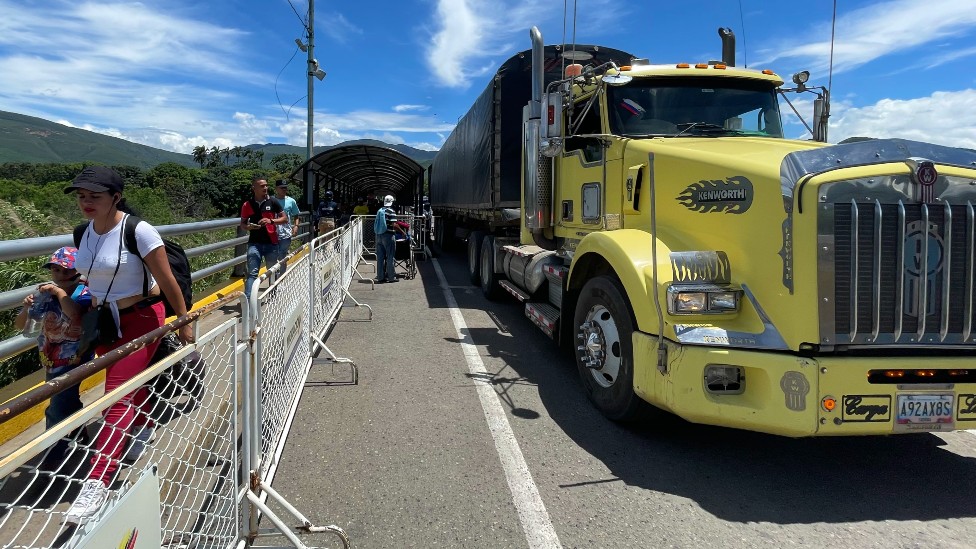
<point x="352" y="171"/>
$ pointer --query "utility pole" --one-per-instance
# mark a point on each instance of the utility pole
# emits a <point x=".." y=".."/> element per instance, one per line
<point x="311" y="68"/>
<point x="309" y="137"/>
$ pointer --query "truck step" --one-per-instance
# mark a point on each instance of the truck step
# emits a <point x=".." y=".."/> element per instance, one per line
<point x="556" y="275"/>
<point x="543" y="315"/>
<point x="514" y="290"/>
<point x="523" y="251"/>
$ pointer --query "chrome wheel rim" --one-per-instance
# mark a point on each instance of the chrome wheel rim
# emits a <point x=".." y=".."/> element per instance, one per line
<point x="600" y="346"/>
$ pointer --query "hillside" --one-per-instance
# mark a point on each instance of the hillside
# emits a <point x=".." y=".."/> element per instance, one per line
<point x="30" y="139"/>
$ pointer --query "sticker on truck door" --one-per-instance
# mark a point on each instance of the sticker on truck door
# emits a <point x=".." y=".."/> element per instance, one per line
<point x="733" y="195"/>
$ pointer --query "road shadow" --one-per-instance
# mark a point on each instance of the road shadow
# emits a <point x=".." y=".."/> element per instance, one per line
<point x="736" y="475"/>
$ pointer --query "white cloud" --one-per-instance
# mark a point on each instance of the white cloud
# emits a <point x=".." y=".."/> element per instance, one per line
<point x="471" y="37"/>
<point x="424" y="146"/>
<point x="944" y="118"/>
<point x="404" y="108"/>
<point x="874" y="31"/>
<point x="460" y="37"/>
<point x="337" y="26"/>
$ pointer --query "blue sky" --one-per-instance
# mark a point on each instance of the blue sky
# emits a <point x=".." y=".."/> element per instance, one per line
<point x="179" y="73"/>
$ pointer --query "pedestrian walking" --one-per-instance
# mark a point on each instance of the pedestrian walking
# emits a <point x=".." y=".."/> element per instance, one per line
<point x="260" y="216"/>
<point x="288" y="229"/>
<point x="131" y="292"/>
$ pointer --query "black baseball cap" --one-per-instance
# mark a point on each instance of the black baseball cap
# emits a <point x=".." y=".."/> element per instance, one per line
<point x="282" y="183"/>
<point x="98" y="179"/>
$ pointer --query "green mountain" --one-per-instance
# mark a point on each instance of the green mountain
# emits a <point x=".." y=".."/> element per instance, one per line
<point x="422" y="157"/>
<point x="29" y="139"/>
<point x="35" y="140"/>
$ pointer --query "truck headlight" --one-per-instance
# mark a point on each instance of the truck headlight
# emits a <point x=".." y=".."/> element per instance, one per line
<point x="686" y="299"/>
<point x="723" y="301"/>
<point x="690" y="302"/>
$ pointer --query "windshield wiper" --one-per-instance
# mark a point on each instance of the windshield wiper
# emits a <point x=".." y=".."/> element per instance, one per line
<point x="703" y="127"/>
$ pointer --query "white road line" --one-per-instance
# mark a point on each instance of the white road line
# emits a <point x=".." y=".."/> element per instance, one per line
<point x="525" y="494"/>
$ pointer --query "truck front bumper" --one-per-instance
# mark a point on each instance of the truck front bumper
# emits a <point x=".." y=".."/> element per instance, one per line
<point x="790" y="395"/>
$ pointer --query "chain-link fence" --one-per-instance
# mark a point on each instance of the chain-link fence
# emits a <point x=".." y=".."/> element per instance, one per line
<point x="191" y="462"/>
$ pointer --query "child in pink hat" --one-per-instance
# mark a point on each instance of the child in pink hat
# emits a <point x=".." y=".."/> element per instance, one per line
<point x="58" y="307"/>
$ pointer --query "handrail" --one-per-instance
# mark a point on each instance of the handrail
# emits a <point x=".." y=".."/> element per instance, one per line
<point x="11" y="250"/>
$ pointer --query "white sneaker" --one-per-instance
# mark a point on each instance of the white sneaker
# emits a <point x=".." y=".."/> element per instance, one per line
<point x="91" y="498"/>
<point x="139" y="443"/>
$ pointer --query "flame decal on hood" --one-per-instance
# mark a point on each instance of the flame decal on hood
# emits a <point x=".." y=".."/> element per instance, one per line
<point x="734" y="195"/>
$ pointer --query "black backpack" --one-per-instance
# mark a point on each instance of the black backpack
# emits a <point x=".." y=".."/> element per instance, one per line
<point x="178" y="262"/>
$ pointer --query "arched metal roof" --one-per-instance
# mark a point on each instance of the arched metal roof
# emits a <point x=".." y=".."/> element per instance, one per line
<point x="354" y="170"/>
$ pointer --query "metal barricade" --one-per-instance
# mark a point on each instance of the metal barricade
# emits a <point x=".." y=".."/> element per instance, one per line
<point x="192" y="454"/>
<point x="220" y="423"/>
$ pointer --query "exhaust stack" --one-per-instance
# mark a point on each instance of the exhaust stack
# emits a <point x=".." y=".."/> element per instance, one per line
<point x="537" y="172"/>
<point x="728" y="46"/>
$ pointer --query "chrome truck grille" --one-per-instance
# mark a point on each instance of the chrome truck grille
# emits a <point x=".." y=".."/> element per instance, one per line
<point x="896" y="272"/>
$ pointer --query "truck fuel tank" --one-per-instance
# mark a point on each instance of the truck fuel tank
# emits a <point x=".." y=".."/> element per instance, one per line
<point x="523" y="265"/>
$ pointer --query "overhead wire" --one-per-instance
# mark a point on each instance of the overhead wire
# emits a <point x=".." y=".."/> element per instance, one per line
<point x="833" y="25"/>
<point x="290" y="59"/>
<point x="745" y="52"/>
<point x="303" y="21"/>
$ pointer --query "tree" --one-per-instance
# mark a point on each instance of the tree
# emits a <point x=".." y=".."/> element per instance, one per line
<point x="286" y="163"/>
<point x="200" y="155"/>
<point x="213" y="157"/>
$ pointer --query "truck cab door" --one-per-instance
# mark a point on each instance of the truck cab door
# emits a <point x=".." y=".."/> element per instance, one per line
<point x="578" y="198"/>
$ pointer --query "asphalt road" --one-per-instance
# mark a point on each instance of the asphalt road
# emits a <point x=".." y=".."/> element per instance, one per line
<point x="411" y="457"/>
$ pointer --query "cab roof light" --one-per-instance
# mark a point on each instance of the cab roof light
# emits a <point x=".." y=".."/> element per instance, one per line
<point x="894" y="373"/>
<point x="767" y="71"/>
<point x="682" y="66"/>
<point x="720" y="66"/>
<point x="626" y="68"/>
<point x="701" y="65"/>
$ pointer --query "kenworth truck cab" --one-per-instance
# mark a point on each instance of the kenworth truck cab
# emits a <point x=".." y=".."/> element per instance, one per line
<point x="700" y="262"/>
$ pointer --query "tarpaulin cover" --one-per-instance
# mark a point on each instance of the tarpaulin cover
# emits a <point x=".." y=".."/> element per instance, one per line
<point x="466" y="173"/>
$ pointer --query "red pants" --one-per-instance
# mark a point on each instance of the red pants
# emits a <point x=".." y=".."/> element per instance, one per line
<point x="120" y="417"/>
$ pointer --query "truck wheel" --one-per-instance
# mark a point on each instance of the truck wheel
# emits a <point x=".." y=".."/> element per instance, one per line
<point x="445" y="234"/>
<point x="474" y="256"/>
<point x="489" y="278"/>
<point x="605" y="355"/>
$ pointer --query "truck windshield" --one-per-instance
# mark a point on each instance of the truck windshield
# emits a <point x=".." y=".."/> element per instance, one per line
<point x="680" y="107"/>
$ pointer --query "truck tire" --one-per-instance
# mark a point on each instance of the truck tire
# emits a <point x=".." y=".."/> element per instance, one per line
<point x="445" y="234"/>
<point x="603" y="325"/>
<point x="489" y="278"/>
<point x="474" y="256"/>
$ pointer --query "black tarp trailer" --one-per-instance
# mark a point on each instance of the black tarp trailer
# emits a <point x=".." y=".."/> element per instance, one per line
<point x="475" y="179"/>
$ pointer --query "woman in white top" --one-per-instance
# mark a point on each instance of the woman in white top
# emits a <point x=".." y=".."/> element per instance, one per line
<point x="115" y="278"/>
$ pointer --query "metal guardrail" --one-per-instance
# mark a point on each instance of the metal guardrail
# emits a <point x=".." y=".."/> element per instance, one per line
<point x="216" y="431"/>
<point x="12" y="250"/>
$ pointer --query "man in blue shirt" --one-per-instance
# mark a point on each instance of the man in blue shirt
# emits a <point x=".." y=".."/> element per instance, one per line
<point x="384" y="228"/>
<point x="288" y="229"/>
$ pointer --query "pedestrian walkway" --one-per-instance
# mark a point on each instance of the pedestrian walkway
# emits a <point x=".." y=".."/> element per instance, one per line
<point x="401" y="443"/>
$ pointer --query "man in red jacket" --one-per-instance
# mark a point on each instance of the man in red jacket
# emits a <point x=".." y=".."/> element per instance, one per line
<point x="260" y="216"/>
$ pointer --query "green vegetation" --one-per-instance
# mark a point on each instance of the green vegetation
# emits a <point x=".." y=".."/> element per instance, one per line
<point x="38" y="158"/>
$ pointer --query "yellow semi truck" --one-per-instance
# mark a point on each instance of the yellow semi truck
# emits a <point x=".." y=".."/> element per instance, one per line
<point x="700" y="262"/>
